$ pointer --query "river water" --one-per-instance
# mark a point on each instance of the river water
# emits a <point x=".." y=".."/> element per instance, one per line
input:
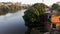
<point x="12" y="23"/>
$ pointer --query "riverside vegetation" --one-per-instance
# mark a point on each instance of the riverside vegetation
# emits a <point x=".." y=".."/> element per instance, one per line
<point x="33" y="18"/>
<point x="11" y="8"/>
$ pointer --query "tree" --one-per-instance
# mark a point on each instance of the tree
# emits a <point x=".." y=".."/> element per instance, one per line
<point x="34" y="12"/>
<point x="3" y="9"/>
<point x="9" y="8"/>
<point x="32" y="15"/>
<point x="56" y="8"/>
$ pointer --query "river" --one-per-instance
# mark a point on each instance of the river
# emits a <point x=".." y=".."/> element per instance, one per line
<point x="12" y="23"/>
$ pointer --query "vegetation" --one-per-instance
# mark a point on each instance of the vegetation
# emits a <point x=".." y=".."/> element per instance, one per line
<point x="56" y="7"/>
<point x="32" y="15"/>
<point x="11" y="8"/>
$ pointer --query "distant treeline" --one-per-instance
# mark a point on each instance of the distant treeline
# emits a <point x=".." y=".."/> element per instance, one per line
<point x="10" y="8"/>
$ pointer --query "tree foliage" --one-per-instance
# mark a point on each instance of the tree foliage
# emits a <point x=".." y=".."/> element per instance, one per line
<point x="32" y="15"/>
<point x="9" y="9"/>
<point x="56" y="7"/>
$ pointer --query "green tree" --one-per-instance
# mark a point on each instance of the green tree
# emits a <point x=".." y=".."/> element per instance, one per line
<point x="56" y="7"/>
<point x="32" y="15"/>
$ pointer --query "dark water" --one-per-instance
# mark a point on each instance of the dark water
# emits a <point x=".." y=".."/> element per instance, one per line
<point x="12" y="23"/>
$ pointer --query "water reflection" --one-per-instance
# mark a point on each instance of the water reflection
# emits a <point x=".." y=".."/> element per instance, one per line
<point x="12" y="23"/>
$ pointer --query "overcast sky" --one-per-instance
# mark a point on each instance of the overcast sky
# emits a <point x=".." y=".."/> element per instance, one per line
<point x="48" y="2"/>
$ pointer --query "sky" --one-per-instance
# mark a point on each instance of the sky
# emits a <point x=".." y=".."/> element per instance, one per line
<point x="47" y="2"/>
